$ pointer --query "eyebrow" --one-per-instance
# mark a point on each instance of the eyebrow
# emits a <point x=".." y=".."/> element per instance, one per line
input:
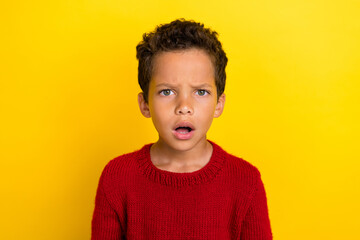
<point x="164" y="85"/>
<point x="204" y="85"/>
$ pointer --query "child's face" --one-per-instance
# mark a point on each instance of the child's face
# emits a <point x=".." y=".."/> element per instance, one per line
<point x="182" y="99"/>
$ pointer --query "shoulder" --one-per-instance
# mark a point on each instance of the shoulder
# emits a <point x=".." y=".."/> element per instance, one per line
<point x="121" y="168"/>
<point x="242" y="167"/>
<point x="242" y="172"/>
<point x="244" y="177"/>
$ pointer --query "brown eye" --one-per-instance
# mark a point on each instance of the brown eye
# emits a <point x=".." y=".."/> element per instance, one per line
<point x="202" y="92"/>
<point x="166" y="92"/>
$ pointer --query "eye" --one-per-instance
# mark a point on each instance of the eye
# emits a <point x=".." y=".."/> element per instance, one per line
<point x="166" y="92"/>
<point x="202" y="92"/>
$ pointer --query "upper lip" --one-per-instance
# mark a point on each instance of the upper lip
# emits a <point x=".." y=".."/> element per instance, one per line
<point x="184" y="124"/>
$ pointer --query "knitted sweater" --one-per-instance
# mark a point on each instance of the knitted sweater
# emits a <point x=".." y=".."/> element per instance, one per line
<point x="223" y="200"/>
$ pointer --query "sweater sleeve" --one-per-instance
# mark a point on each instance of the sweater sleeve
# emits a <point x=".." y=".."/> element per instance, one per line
<point x="105" y="222"/>
<point x="256" y="225"/>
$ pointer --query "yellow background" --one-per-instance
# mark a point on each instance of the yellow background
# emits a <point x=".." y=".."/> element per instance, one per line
<point x="69" y="105"/>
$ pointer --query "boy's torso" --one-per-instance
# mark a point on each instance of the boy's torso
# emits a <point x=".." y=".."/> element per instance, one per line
<point x="205" y="204"/>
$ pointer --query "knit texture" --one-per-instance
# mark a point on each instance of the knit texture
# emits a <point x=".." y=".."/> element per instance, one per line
<point x="223" y="200"/>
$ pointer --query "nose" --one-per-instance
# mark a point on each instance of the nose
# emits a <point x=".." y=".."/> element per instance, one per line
<point x="184" y="106"/>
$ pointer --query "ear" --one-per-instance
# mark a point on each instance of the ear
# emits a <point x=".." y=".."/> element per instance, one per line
<point x="144" y="107"/>
<point x="220" y="106"/>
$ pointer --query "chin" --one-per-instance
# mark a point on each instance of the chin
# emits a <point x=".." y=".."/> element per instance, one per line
<point x="183" y="145"/>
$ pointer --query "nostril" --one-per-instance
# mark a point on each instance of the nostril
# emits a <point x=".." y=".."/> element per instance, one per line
<point x="184" y="110"/>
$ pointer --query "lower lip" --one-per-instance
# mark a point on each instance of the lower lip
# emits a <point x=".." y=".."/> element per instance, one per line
<point x="183" y="136"/>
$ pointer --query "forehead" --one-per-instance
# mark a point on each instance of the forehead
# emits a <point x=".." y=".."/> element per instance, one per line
<point x="193" y="65"/>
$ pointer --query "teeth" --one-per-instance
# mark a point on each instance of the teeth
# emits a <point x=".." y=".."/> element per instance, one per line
<point x="183" y="130"/>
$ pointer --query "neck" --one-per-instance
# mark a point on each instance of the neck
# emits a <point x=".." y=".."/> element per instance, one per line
<point x="168" y="157"/>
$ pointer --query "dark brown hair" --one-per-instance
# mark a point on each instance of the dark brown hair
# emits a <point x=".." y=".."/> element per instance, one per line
<point x="179" y="35"/>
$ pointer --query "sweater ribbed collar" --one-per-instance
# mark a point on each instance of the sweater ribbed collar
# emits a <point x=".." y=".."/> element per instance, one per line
<point x="205" y="174"/>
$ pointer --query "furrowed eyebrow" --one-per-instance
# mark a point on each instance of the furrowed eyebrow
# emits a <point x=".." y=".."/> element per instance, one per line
<point x="166" y="85"/>
<point x="205" y="85"/>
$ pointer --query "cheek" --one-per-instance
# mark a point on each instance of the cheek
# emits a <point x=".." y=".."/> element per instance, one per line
<point x="160" y="114"/>
<point x="207" y="108"/>
<point x="206" y="114"/>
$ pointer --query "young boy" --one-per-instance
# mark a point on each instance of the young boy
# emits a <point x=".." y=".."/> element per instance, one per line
<point x="183" y="186"/>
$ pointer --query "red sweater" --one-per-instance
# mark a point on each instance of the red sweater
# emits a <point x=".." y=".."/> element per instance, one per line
<point x="223" y="200"/>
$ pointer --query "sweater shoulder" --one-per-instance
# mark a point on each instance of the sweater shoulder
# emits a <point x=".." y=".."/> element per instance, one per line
<point x="119" y="169"/>
<point x="242" y="164"/>
<point x="120" y="162"/>
<point x="242" y="170"/>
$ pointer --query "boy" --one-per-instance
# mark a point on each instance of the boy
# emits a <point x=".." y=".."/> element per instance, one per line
<point x="183" y="186"/>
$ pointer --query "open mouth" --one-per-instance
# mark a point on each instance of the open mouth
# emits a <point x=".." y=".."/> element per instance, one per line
<point x="183" y="130"/>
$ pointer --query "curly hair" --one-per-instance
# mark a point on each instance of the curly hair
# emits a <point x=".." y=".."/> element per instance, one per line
<point x="180" y="34"/>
